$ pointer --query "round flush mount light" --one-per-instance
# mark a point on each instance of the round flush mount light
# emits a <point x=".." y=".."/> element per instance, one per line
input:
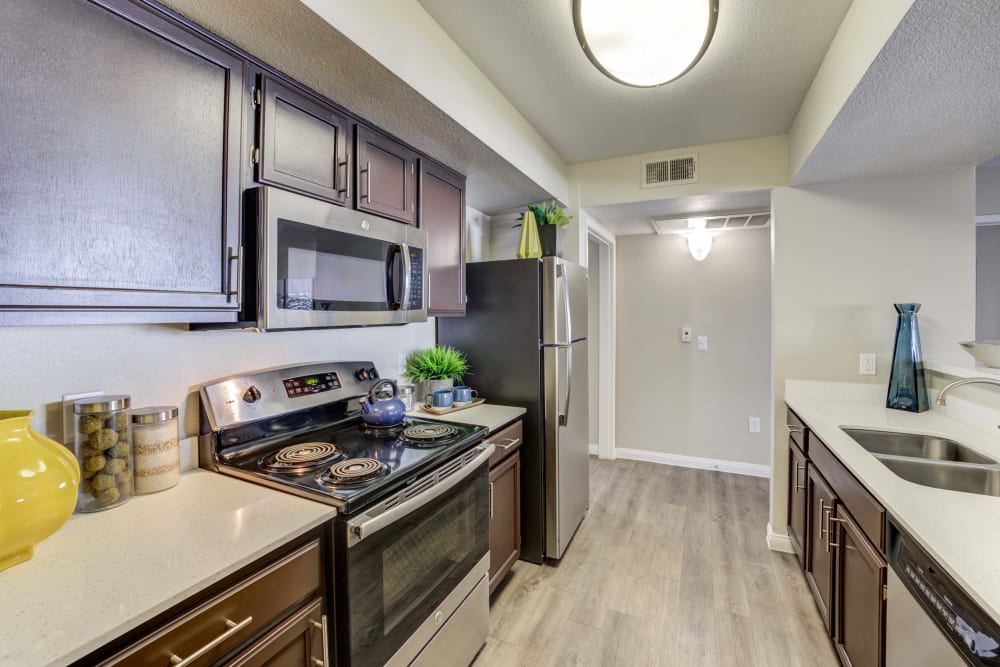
<point x="645" y="43"/>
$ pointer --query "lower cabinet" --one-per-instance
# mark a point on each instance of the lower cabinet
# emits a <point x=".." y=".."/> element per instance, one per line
<point x="274" y="615"/>
<point x="505" y="502"/>
<point x="837" y="529"/>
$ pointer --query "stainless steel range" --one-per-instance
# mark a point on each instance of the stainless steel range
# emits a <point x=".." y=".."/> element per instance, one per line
<point x="411" y="540"/>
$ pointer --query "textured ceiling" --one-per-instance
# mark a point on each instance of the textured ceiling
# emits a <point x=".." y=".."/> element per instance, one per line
<point x="750" y="82"/>
<point x="634" y="218"/>
<point x="290" y="37"/>
<point x="930" y="100"/>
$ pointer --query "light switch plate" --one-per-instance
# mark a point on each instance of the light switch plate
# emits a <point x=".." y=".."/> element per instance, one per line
<point x="703" y="343"/>
<point x="685" y="334"/>
<point x="754" y="424"/>
<point x="401" y="364"/>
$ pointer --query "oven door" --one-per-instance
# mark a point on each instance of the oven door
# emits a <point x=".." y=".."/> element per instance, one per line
<point x="404" y="564"/>
<point x="329" y="266"/>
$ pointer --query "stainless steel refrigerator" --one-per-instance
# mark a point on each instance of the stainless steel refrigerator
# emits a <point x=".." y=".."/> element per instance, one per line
<point x="525" y="333"/>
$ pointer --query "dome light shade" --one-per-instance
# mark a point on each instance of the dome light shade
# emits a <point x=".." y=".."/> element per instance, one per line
<point x="644" y="43"/>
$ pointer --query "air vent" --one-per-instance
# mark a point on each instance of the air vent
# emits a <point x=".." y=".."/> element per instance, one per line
<point x="670" y="171"/>
<point x="715" y="223"/>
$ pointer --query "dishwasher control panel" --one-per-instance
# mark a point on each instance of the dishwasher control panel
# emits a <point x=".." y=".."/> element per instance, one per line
<point x="969" y="628"/>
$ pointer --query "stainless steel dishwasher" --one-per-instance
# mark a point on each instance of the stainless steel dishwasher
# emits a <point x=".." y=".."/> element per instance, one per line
<point x="930" y="620"/>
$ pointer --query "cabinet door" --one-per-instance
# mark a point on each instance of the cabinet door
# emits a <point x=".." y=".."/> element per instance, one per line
<point x="386" y="176"/>
<point x="859" y="597"/>
<point x="121" y="146"/>
<point x="442" y="216"/>
<point x="304" y="143"/>
<point x="819" y="559"/>
<point x="505" y="517"/>
<point x="797" y="501"/>
<point x="299" y="641"/>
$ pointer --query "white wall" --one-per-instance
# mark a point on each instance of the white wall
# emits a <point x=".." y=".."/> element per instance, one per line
<point x="477" y="235"/>
<point x="672" y="398"/>
<point x="988" y="282"/>
<point x="162" y="364"/>
<point x="593" y="336"/>
<point x="843" y="254"/>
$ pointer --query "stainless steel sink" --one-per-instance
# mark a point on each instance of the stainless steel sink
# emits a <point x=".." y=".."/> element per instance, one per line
<point x="965" y="478"/>
<point x="916" y="446"/>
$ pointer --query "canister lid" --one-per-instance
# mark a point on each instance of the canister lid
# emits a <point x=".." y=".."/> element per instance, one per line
<point x="406" y="389"/>
<point x="154" y="414"/>
<point x="112" y="403"/>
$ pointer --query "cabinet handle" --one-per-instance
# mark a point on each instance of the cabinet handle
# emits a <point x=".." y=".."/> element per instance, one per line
<point x="797" y="469"/>
<point x="367" y="195"/>
<point x="238" y="292"/>
<point x="326" y="643"/>
<point x="826" y="525"/>
<point x="491" y="500"/>
<point x="346" y="164"/>
<point x="794" y="429"/>
<point x="234" y="628"/>
<point x="511" y="443"/>
<point x="829" y="539"/>
<point x="822" y="511"/>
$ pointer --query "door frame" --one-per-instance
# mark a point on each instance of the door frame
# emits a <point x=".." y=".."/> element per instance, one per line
<point x="605" y="240"/>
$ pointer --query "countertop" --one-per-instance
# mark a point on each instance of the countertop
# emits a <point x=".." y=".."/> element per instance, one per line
<point x="105" y="573"/>
<point x="488" y="415"/>
<point x="960" y="530"/>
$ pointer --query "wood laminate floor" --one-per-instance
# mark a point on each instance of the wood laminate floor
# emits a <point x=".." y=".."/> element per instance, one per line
<point x="670" y="567"/>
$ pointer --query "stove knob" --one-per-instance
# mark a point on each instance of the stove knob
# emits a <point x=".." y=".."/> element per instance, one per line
<point x="372" y="373"/>
<point x="361" y="374"/>
<point x="251" y="395"/>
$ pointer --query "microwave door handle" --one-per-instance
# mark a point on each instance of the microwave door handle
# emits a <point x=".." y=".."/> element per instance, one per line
<point x="390" y="277"/>
<point x="366" y="525"/>
<point x="407" y="277"/>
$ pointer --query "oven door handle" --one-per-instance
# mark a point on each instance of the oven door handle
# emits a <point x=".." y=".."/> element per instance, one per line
<point x="366" y="525"/>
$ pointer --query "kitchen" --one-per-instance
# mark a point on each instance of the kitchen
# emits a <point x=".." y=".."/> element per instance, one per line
<point x="165" y="363"/>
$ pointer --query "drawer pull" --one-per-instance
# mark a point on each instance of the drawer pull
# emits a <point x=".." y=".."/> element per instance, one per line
<point x="511" y="443"/>
<point x="233" y="628"/>
<point x="491" y="500"/>
<point x="325" y="662"/>
<point x="797" y="469"/>
<point x="794" y="429"/>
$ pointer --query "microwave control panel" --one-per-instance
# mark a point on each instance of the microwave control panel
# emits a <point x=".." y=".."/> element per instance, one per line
<point x="416" y="301"/>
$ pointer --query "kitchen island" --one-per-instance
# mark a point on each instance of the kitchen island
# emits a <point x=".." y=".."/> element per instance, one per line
<point x="103" y="574"/>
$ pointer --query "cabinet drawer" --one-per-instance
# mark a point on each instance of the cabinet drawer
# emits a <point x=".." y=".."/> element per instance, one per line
<point x="233" y="617"/>
<point x="867" y="512"/>
<point x="507" y="441"/>
<point x="797" y="431"/>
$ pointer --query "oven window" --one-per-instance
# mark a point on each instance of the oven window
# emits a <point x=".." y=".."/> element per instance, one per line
<point x="398" y="577"/>
<point x="322" y="269"/>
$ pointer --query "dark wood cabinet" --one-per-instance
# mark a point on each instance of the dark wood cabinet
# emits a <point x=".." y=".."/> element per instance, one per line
<point x="442" y="216"/>
<point x="859" y="595"/>
<point x="798" y="512"/>
<point x="386" y="176"/>
<point x="122" y="151"/>
<point x="300" y="641"/>
<point x="505" y="502"/>
<point x="304" y="144"/>
<point x="820" y="558"/>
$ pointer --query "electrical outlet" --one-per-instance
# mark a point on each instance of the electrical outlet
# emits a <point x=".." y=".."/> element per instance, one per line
<point x="754" y="423"/>
<point x="703" y="343"/>
<point x="685" y="334"/>
<point x="866" y="364"/>
<point x="401" y="364"/>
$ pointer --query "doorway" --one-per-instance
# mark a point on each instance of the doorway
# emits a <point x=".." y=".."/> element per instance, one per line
<point x="601" y="337"/>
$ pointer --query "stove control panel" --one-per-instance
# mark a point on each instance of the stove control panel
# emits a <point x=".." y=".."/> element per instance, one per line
<point x="311" y="384"/>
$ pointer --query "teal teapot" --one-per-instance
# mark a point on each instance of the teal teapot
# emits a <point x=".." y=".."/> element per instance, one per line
<point x="385" y="411"/>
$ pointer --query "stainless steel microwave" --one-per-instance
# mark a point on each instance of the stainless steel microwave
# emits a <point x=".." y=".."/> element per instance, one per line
<point x="310" y="264"/>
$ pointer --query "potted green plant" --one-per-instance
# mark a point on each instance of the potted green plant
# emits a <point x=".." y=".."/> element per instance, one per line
<point x="434" y="368"/>
<point x="550" y="218"/>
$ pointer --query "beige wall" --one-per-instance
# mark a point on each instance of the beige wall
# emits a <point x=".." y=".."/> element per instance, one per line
<point x="988" y="191"/>
<point x="672" y="398"/>
<point x="988" y="282"/>
<point x="843" y="254"/>
<point x="477" y="235"/>
<point x="161" y="364"/>
<point x="593" y="335"/>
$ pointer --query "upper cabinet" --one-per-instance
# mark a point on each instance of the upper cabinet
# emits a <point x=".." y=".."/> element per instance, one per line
<point x="442" y="216"/>
<point x="303" y="143"/>
<point x="386" y="176"/>
<point x="121" y="137"/>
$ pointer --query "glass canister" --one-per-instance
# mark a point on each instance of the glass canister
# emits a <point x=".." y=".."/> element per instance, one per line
<point x="103" y="447"/>
<point x="156" y="447"/>
<point x="406" y="392"/>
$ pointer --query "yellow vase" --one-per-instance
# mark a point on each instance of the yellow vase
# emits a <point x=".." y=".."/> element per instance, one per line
<point x="38" y="486"/>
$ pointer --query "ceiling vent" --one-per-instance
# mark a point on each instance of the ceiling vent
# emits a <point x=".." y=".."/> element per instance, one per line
<point x="670" y="171"/>
<point x="714" y="223"/>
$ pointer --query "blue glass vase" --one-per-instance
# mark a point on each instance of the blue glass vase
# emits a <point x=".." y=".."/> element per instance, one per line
<point x="907" y="385"/>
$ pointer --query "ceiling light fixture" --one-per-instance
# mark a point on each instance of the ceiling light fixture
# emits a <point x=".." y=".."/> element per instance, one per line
<point x="645" y="43"/>
<point x="699" y="239"/>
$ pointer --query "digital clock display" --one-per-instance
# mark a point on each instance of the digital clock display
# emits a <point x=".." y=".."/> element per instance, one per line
<point x="311" y="384"/>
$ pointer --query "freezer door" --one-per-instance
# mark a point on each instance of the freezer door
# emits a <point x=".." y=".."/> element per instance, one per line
<point x="564" y="301"/>
<point x="567" y="467"/>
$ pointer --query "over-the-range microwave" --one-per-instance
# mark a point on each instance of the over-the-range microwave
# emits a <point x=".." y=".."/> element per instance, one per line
<point x="310" y="264"/>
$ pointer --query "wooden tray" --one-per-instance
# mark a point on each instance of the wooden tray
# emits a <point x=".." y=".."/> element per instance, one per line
<point x="454" y="408"/>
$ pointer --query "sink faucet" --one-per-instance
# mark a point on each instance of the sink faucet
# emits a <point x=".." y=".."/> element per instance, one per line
<point x="959" y="383"/>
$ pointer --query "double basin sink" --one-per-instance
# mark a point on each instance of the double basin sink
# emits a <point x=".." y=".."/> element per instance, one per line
<point x="931" y="460"/>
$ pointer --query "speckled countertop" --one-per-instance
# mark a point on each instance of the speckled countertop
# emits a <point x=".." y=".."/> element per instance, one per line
<point x="103" y="574"/>
<point x="488" y="415"/>
<point x="960" y="530"/>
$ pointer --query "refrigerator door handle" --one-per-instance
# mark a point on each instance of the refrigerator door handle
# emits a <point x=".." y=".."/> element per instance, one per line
<point x="566" y="306"/>
<point x="564" y="417"/>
